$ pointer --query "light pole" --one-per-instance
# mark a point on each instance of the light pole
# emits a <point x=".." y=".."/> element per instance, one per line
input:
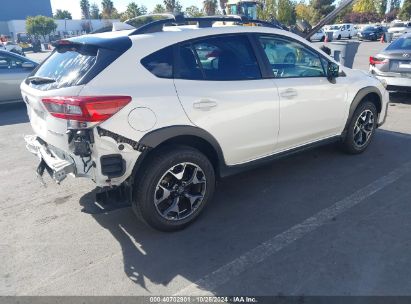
<point x="65" y="26"/>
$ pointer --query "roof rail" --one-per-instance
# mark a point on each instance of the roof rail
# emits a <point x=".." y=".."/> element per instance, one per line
<point x="203" y="22"/>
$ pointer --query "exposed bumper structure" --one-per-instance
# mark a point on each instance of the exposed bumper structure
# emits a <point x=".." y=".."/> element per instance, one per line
<point x="55" y="164"/>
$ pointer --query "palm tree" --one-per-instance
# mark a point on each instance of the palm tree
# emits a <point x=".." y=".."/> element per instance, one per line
<point x="108" y="8"/>
<point x="85" y="9"/>
<point x="210" y="7"/>
<point x="222" y="4"/>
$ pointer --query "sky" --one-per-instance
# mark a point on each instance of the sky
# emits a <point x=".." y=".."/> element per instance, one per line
<point x="73" y="6"/>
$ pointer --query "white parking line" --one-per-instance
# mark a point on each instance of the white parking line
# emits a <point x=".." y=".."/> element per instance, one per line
<point x="207" y="284"/>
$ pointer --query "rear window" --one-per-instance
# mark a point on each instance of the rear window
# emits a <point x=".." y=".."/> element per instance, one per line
<point x="67" y="66"/>
<point x="400" y="44"/>
<point x="77" y="62"/>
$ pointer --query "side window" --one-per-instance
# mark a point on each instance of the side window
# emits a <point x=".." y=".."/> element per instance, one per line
<point x="10" y="62"/>
<point x="4" y="62"/>
<point x="227" y="58"/>
<point x="291" y="59"/>
<point x="160" y="63"/>
<point x="188" y="66"/>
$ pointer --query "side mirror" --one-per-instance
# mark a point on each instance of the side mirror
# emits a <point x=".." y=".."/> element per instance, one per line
<point x="333" y="70"/>
<point x="28" y="65"/>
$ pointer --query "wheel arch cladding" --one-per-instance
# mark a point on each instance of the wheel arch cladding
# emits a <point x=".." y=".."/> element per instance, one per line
<point x="372" y="94"/>
<point x="188" y="136"/>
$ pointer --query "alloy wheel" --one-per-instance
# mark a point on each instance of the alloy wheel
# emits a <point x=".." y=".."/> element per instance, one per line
<point x="180" y="191"/>
<point x="363" y="128"/>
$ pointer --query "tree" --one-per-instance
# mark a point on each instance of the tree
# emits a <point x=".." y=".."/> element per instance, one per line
<point x="159" y="9"/>
<point x="405" y="12"/>
<point x="304" y="12"/>
<point x="210" y="7"/>
<point x="395" y="5"/>
<point x="109" y="11"/>
<point x="268" y="10"/>
<point x="392" y="15"/>
<point x="364" y="6"/>
<point x="62" y="14"/>
<point x="382" y="6"/>
<point x="173" y="6"/>
<point x="223" y="4"/>
<point x="286" y="12"/>
<point x="40" y="26"/>
<point x="94" y="11"/>
<point x="85" y="9"/>
<point x="321" y="9"/>
<point x="133" y="10"/>
<point x="193" y="11"/>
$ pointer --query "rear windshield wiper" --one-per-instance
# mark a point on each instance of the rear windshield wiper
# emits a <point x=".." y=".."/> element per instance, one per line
<point x="40" y="80"/>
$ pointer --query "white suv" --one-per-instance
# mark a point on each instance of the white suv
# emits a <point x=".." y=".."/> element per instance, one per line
<point x="346" y="30"/>
<point x="166" y="110"/>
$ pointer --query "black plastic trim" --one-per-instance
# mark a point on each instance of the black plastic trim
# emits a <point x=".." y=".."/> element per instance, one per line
<point x="360" y="97"/>
<point x="157" y="137"/>
<point x="112" y="165"/>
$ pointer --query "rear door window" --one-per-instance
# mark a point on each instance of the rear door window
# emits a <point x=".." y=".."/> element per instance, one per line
<point x="227" y="58"/>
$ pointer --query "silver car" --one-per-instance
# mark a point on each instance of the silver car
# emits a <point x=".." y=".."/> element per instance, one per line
<point x="13" y="70"/>
<point x="393" y="64"/>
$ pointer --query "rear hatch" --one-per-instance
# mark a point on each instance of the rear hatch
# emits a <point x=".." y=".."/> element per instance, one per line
<point x="64" y="73"/>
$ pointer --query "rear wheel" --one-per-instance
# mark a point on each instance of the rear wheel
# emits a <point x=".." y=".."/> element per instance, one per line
<point x="361" y="128"/>
<point x="339" y="37"/>
<point x="174" y="187"/>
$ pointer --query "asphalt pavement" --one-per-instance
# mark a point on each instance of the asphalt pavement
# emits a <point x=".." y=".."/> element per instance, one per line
<point x="317" y="223"/>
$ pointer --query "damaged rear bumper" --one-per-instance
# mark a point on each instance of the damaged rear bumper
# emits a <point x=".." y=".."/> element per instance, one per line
<point x="56" y="164"/>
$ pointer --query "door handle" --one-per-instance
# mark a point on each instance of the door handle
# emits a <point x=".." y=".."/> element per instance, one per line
<point x="289" y="93"/>
<point x="204" y="104"/>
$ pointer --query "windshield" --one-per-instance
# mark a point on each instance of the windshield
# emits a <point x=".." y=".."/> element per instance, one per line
<point x="369" y="28"/>
<point x="400" y="44"/>
<point x="335" y="27"/>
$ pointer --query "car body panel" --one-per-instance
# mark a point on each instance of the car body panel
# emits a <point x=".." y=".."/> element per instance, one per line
<point x="394" y="66"/>
<point x="11" y="75"/>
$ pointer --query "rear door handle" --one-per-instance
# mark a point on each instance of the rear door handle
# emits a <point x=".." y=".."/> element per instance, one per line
<point x="204" y="104"/>
<point x="289" y="93"/>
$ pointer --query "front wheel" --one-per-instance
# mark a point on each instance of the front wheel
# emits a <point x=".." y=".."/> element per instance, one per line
<point x="361" y="128"/>
<point x="174" y="187"/>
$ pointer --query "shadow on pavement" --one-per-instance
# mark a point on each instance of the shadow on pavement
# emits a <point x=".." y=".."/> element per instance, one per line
<point x="247" y="210"/>
<point x="11" y="114"/>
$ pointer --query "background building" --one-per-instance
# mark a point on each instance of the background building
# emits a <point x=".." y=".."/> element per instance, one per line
<point x="20" y="9"/>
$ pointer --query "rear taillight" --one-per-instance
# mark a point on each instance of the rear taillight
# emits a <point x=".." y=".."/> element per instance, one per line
<point x="85" y="108"/>
<point x="375" y="60"/>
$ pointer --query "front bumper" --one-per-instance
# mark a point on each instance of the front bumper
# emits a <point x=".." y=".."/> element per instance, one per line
<point x="57" y="164"/>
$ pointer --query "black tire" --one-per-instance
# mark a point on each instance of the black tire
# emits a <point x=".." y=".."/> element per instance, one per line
<point x="339" y="37"/>
<point x="350" y="141"/>
<point x="154" y="171"/>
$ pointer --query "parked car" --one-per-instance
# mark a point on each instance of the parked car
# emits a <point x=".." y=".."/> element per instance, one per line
<point x="143" y="112"/>
<point x="346" y="30"/>
<point x="319" y="36"/>
<point x="13" y="70"/>
<point x="12" y="47"/>
<point x="400" y="28"/>
<point x="372" y="33"/>
<point x="393" y="64"/>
